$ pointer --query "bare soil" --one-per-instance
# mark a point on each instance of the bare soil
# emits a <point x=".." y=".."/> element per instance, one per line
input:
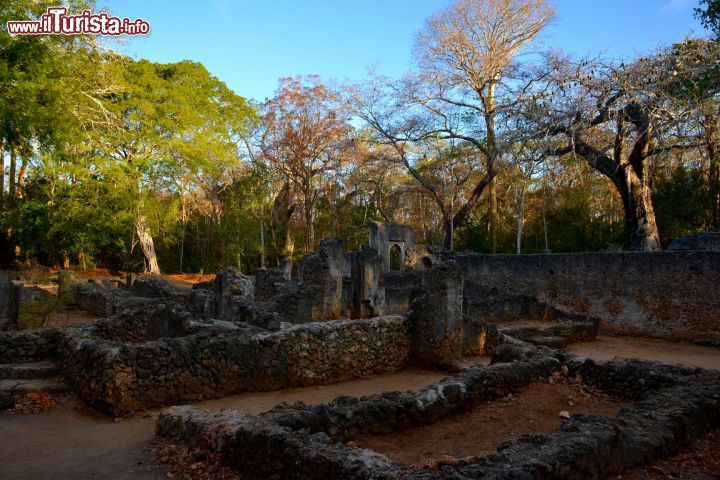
<point x="607" y="348"/>
<point x="70" y="316"/>
<point x="187" y="280"/>
<point x="534" y="410"/>
<point x="70" y="441"/>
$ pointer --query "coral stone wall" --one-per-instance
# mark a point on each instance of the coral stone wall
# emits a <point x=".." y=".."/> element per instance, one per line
<point x="29" y="345"/>
<point x="668" y="294"/>
<point x="118" y="378"/>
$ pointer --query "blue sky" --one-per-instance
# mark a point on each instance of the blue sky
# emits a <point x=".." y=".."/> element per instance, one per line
<point x="249" y="44"/>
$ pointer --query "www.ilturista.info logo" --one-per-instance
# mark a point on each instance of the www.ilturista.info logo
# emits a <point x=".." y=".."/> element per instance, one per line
<point x="56" y="21"/>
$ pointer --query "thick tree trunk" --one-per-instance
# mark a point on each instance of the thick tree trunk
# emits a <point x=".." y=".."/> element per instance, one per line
<point x="147" y="245"/>
<point x="632" y="179"/>
<point x="283" y="209"/>
<point x="640" y="220"/>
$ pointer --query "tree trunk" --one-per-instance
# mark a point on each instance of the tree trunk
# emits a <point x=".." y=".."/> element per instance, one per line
<point x="283" y="209"/>
<point x="309" y="230"/>
<point x="489" y="106"/>
<point x="182" y="234"/>
<point x="262" y="230"/>
<point x="518" y="240"/>
<point x="492" y="215"/>
<point x="714" y="173"/>
<point x="11" y="176"/>
<point x="636" y="195"/>
<point x="448" y="225"/>
<point x="545" y="229"/>
<point x="2" y="175"/>
<point x="21" y="177"/>
<point x="309" y="213"/>
<point x="147" y="245"/>
<point x="82" y="260"/>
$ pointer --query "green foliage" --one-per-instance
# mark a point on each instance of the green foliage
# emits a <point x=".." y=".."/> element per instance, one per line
<point x="709" y="14"/>
<point x="683" y="203"/>
<point x="34" y="314"/>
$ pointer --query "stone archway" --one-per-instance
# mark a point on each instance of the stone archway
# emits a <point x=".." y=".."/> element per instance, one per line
<point x="395" y="255"/>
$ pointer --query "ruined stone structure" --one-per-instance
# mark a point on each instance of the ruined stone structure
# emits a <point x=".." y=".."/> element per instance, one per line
<point x="389" y="305"/>
<point x="673" y="294"/>
<point x="10" y="294"/>
<point x="672" y="406"/>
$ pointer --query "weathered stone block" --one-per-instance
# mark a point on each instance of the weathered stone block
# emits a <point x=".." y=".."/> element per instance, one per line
<point x="10" y="294"/>
<point x="436" y="318"/>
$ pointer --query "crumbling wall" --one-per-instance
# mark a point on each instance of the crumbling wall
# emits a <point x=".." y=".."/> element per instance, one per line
<point x="384" y="235"/>
<point x="675" y="405"/>
<point x="668" y="294"/>
<point x="29" y="345"/>
<point x="117" y="378"/>
<point x="10" y="294"/>
<point x="436" y="324"/>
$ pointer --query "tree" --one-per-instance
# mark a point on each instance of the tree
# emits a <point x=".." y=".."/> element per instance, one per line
<point x="307" y="137"/>
<point x="621" y="117"/>
<point x="467" y="80"/>
<point x="164" y="128"/>
<point x="709" y="15"/>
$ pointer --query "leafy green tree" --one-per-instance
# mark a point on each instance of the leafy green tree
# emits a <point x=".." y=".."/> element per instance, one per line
<point x="709" y="14"/>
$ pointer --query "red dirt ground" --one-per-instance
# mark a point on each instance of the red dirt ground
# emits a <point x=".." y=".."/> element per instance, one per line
<point x="70" y="441"/>
<point x="533" y="410"/>
<point x="71" y="316"/>
<point x="607" y="348"/>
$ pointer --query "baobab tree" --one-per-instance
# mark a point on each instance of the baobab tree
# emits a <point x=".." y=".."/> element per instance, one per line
<point x="620" y="118"/>
<point x="467" y="79"/>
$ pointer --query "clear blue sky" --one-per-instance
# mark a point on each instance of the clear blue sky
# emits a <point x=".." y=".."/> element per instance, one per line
<point x="249" y="44"/>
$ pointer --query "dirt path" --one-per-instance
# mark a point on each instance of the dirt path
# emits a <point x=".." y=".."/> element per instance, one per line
<point x="533" y="410"/>
<point x="607" y="348"/>
<point x="71" y="442"/>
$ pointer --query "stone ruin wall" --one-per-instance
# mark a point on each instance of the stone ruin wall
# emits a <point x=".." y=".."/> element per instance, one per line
<point x="116" y="377"/>
<point x="673" y="294"/>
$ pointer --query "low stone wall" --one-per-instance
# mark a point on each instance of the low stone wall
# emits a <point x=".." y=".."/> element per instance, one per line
<point x="675" y="405"/>
<point x="666" y="294"/>
<point x="29" y="345"/>
<point x="118" y="378"/>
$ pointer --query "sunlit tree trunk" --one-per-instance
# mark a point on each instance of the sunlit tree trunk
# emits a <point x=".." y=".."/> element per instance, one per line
<point x="183" y="221"/>
<point x="521" y="204"/>
<point x="2" y="175"/>
<point x="12" y="174"/>
<point x="636" y="194"/>
<point x="147" y="245"/>
<point x="492" y="157"/>
<point x="21" y="176"/>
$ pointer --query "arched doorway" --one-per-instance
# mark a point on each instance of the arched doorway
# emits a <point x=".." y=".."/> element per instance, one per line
<point x="395" y="258"/>
<point x="427" y="263"/>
